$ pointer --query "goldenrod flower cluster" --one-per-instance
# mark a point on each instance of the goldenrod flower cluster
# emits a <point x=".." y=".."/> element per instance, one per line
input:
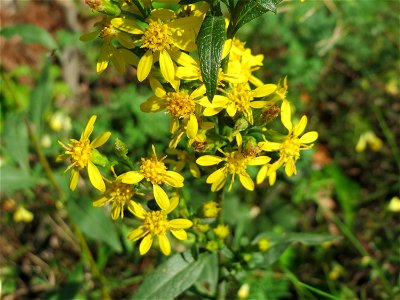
<point x="247" y="123"/>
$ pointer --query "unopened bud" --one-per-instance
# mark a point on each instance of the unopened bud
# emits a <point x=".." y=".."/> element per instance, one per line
<point x="120" y="148"/>
<point x="250" y="146"/>
<point x="107" y="7"/>
<point x="241" y="124"/>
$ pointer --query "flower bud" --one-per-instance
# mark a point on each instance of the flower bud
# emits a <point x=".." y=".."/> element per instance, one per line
<point x="107" y="7"/>
<point x="120" y="148"/>
<point x="241" y="124"/>
<point x="250" y="145"/>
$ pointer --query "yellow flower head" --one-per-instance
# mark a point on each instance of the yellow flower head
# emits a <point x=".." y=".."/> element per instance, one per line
<point x="156" y="224"/>
<point x="264" y="245"/>
<point x="235" y="163"/>
<point x="119" y="56"/>
<point x="294" y="142"/>
<point x="163" y="38"/>
<point x="180" y="105"/>
<point x="211" y="209"/>
<point x="221" y="231"/>
<point x="22" y="215"/>
<point x="79" y="153"/>
<point x="242" y="63"/>
<point x="119" y="194"/>
<point x="155" y="171"/>
<point x="369" y="138"/>
<point x="212" y="246"/>
<point x="239" y="98"/>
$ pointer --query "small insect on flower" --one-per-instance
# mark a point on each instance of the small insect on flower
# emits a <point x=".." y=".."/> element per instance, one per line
<point x="79" y="153"/>
<point x="155" y="171"/>
<point x="156" y="224"/>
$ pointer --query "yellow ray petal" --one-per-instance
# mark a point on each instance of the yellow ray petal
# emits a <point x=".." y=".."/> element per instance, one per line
<point x="208" y="160"/>
<point x="137" y="233"/>
<point x="100" y="140"/>
<point x="286" y="113"/>
<point x="165" y="245"/>
<point x="174" y="179"/>
<point x="180" y="223"/>
<point x="299" y="127"/>
<point x="145" y="65"/>
<point x="161" y="197"/>
<point x="264" y="90"/>
<point x="137" y="209"/>
<point x="73" y="180"/>
<point x="180" y="234"/>
<point x="246" y="181"/>
<point x="309" y="137"/>
<point x="167" y="66"/>
<point x="145" y="244"/>
<point x="260" y="160"/>
<point x="95" y="177"/>
<point x="131" y="177"/>
<point x="192" y="127"/>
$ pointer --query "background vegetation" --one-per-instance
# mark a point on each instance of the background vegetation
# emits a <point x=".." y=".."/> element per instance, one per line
<point x="342" y="62"/>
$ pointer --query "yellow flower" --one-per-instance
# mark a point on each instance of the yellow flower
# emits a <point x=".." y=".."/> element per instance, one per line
<point x="239" y="98"/>
<point x="180" y="105"/>
<point x="235" y="163"/>
<point x="80" y="153"/>
<point x="119" y="56"/>
<point x="119" y="194"/>
<point x="212" y="246"/>
<point x="264" y="245"/>
<point x="289" y="149"/>
<point x="155" y="171"/>
<point x="156" y="223"/>
<point x="190" y="70"/>
<point x="242" y="63"/>
<point x="394" y="204"/>
<point x="369" y="138"/>
<point x="203" y="227"/>
<point x="221" y="231"/>
<point x="22" y="215"/>
<point x="211" y="209"/>
<point x="163" y="39"/>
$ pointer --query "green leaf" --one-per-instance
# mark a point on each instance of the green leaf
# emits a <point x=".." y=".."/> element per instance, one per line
<point x="247" y="10"/>
<point x="16" y="140"/>
<point x="173" y="277"/>
<point x="94" y="222"/>
<point x="208" y="280"/>
<point x="348" y="192"/>
<point x="13" y="179"/>
<point x="210" y="42"/>
<point x="40" y="98"/>
<point x="311" y="238"/>
<point x="30" y="34"/>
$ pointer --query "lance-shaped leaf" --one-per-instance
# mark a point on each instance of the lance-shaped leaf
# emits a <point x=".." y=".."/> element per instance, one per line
<point x="210" y="41"/>
<point x="247" y="10"/>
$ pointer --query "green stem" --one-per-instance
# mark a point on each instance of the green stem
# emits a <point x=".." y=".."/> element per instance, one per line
<point x="43" y="160"/>
<point x="299" y="284"/>
<point x="360" y="248"/>
<point x="93" y="266"/>
<point x="389" y="137"/>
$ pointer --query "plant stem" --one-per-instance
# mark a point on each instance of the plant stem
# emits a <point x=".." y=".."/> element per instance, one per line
<point x="360" y="248"/>
<point x="43" y="160"/>
<point x="93" y="266"/>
